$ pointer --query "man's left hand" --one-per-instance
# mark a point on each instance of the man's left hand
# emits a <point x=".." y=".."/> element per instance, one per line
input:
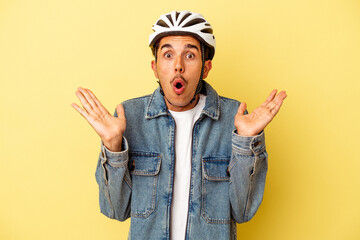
<point x="252" y="124"/>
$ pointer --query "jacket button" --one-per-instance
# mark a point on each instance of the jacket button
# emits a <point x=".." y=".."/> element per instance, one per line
<point x="257" y="144"/>
<point x="132" y="167"/>
<point x="228" y="172"/>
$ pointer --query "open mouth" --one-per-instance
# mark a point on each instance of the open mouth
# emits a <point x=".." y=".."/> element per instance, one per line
<point x="179" y="86"/>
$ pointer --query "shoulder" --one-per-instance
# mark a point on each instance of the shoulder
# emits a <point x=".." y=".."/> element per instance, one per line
<point x="137" y="100"/>
<point x="136" y="103"/>
<point x="135" y="106"/>
<point x="228" y="107"/>
<point x="228" y="102"/>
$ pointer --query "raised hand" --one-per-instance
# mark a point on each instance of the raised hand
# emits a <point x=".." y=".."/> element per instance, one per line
<point x="109" y="128"/>
<point x="253" y="123"/>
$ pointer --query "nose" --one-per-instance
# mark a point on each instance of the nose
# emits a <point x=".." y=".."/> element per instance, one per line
<point x="179" y="65"/>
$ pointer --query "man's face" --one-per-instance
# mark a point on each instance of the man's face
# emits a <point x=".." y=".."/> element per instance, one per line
<point x="178" y="68"/>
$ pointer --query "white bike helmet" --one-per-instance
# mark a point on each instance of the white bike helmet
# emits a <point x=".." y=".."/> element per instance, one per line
<point x="184" y="23"/>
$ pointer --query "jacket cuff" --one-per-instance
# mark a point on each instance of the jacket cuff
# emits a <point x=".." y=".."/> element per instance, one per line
<point x="253" y="145"/>
<point x="115" y="157"/>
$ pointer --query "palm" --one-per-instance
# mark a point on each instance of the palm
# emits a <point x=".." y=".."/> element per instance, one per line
<point x="253" y="123"/>
<point x="108" y="127"/>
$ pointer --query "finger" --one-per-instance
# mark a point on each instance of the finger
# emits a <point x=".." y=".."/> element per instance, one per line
<point x="270" y="105"/>
<point x="83" y="101"/>
<point x="270" y="98"/>
<point x="80" y="110"/>
<point x="242" y="108"/>
<point x="98" y="103"/>
<point x="120" y="111"/>
<point x="90" y="100"/>
<point x="277" y="106"/>
<point x="285" y="95"/>
<point x="282" y="95"/>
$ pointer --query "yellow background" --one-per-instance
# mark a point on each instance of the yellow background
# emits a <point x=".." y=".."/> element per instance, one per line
<point x="48" y="48"/>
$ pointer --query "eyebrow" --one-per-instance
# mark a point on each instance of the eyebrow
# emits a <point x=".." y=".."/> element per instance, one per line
<point x="191" y="46"/>
<point x="186" y="46"/>
<point x="166" y="46"/>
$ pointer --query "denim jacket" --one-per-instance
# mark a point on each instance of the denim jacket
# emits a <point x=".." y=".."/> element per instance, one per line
<point x="227" y="172"/>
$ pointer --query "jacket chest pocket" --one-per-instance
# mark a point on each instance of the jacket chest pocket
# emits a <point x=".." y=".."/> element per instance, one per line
<point x="144" y="170"/>
<point x="215" y="190"/>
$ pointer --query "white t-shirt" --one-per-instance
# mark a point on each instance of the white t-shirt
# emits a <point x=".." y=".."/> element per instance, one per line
<point x="183" y="140"/>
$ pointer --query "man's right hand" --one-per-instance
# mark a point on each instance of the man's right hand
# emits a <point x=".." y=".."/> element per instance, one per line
<point x="109" y="128"/>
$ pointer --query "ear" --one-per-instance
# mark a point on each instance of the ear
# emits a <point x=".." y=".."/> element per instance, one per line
<point x="207" y="68"/>
<point x="154" y="68"/>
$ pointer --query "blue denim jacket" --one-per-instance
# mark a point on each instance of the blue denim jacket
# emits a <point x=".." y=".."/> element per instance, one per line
<point x="227" y="173"/>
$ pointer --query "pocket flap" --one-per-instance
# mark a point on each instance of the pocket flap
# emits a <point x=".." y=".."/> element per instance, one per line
<point x="146" y="164"/>
<point x="215" y="168"/>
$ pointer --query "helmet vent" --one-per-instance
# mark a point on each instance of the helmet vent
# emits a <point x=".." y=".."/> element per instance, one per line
<point x="183" y="23"/>
<point x="184" y="17"/>
<point x="194" y="21"/>
<point x="170" y="19"/>
<point x="207" y="30"/>
<point x="162" y="23"/>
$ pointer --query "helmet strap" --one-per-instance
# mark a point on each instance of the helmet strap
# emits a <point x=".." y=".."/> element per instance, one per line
<point x="161" y="90"/>
<point x="200" y="84"/>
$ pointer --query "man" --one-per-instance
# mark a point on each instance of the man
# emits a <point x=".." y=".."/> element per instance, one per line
<point x="183" y="163"/>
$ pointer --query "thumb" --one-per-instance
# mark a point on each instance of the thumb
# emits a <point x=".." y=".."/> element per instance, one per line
<point x="242" y="108"/>
<point x="120" y="111"/>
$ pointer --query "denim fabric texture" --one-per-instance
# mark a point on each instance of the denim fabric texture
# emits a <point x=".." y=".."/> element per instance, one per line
<point x="227" y="174"/>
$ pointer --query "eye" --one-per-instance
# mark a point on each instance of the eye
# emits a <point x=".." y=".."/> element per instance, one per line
<point x="167" y="55"/>
<point x="190" y="55"/>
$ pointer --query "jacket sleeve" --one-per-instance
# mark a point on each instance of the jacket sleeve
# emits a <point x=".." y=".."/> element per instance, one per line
<point x="113" y="178"/>
<point x="247" y="168"/>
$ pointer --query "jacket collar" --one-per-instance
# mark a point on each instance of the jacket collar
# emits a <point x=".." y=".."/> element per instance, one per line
<point x="156" y="106"/>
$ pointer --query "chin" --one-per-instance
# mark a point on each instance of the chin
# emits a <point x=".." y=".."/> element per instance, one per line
<point x="179" y="103"/>
<point x="176" y="102"/>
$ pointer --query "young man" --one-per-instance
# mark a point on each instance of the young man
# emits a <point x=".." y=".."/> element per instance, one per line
<point x="183" y="163"/>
